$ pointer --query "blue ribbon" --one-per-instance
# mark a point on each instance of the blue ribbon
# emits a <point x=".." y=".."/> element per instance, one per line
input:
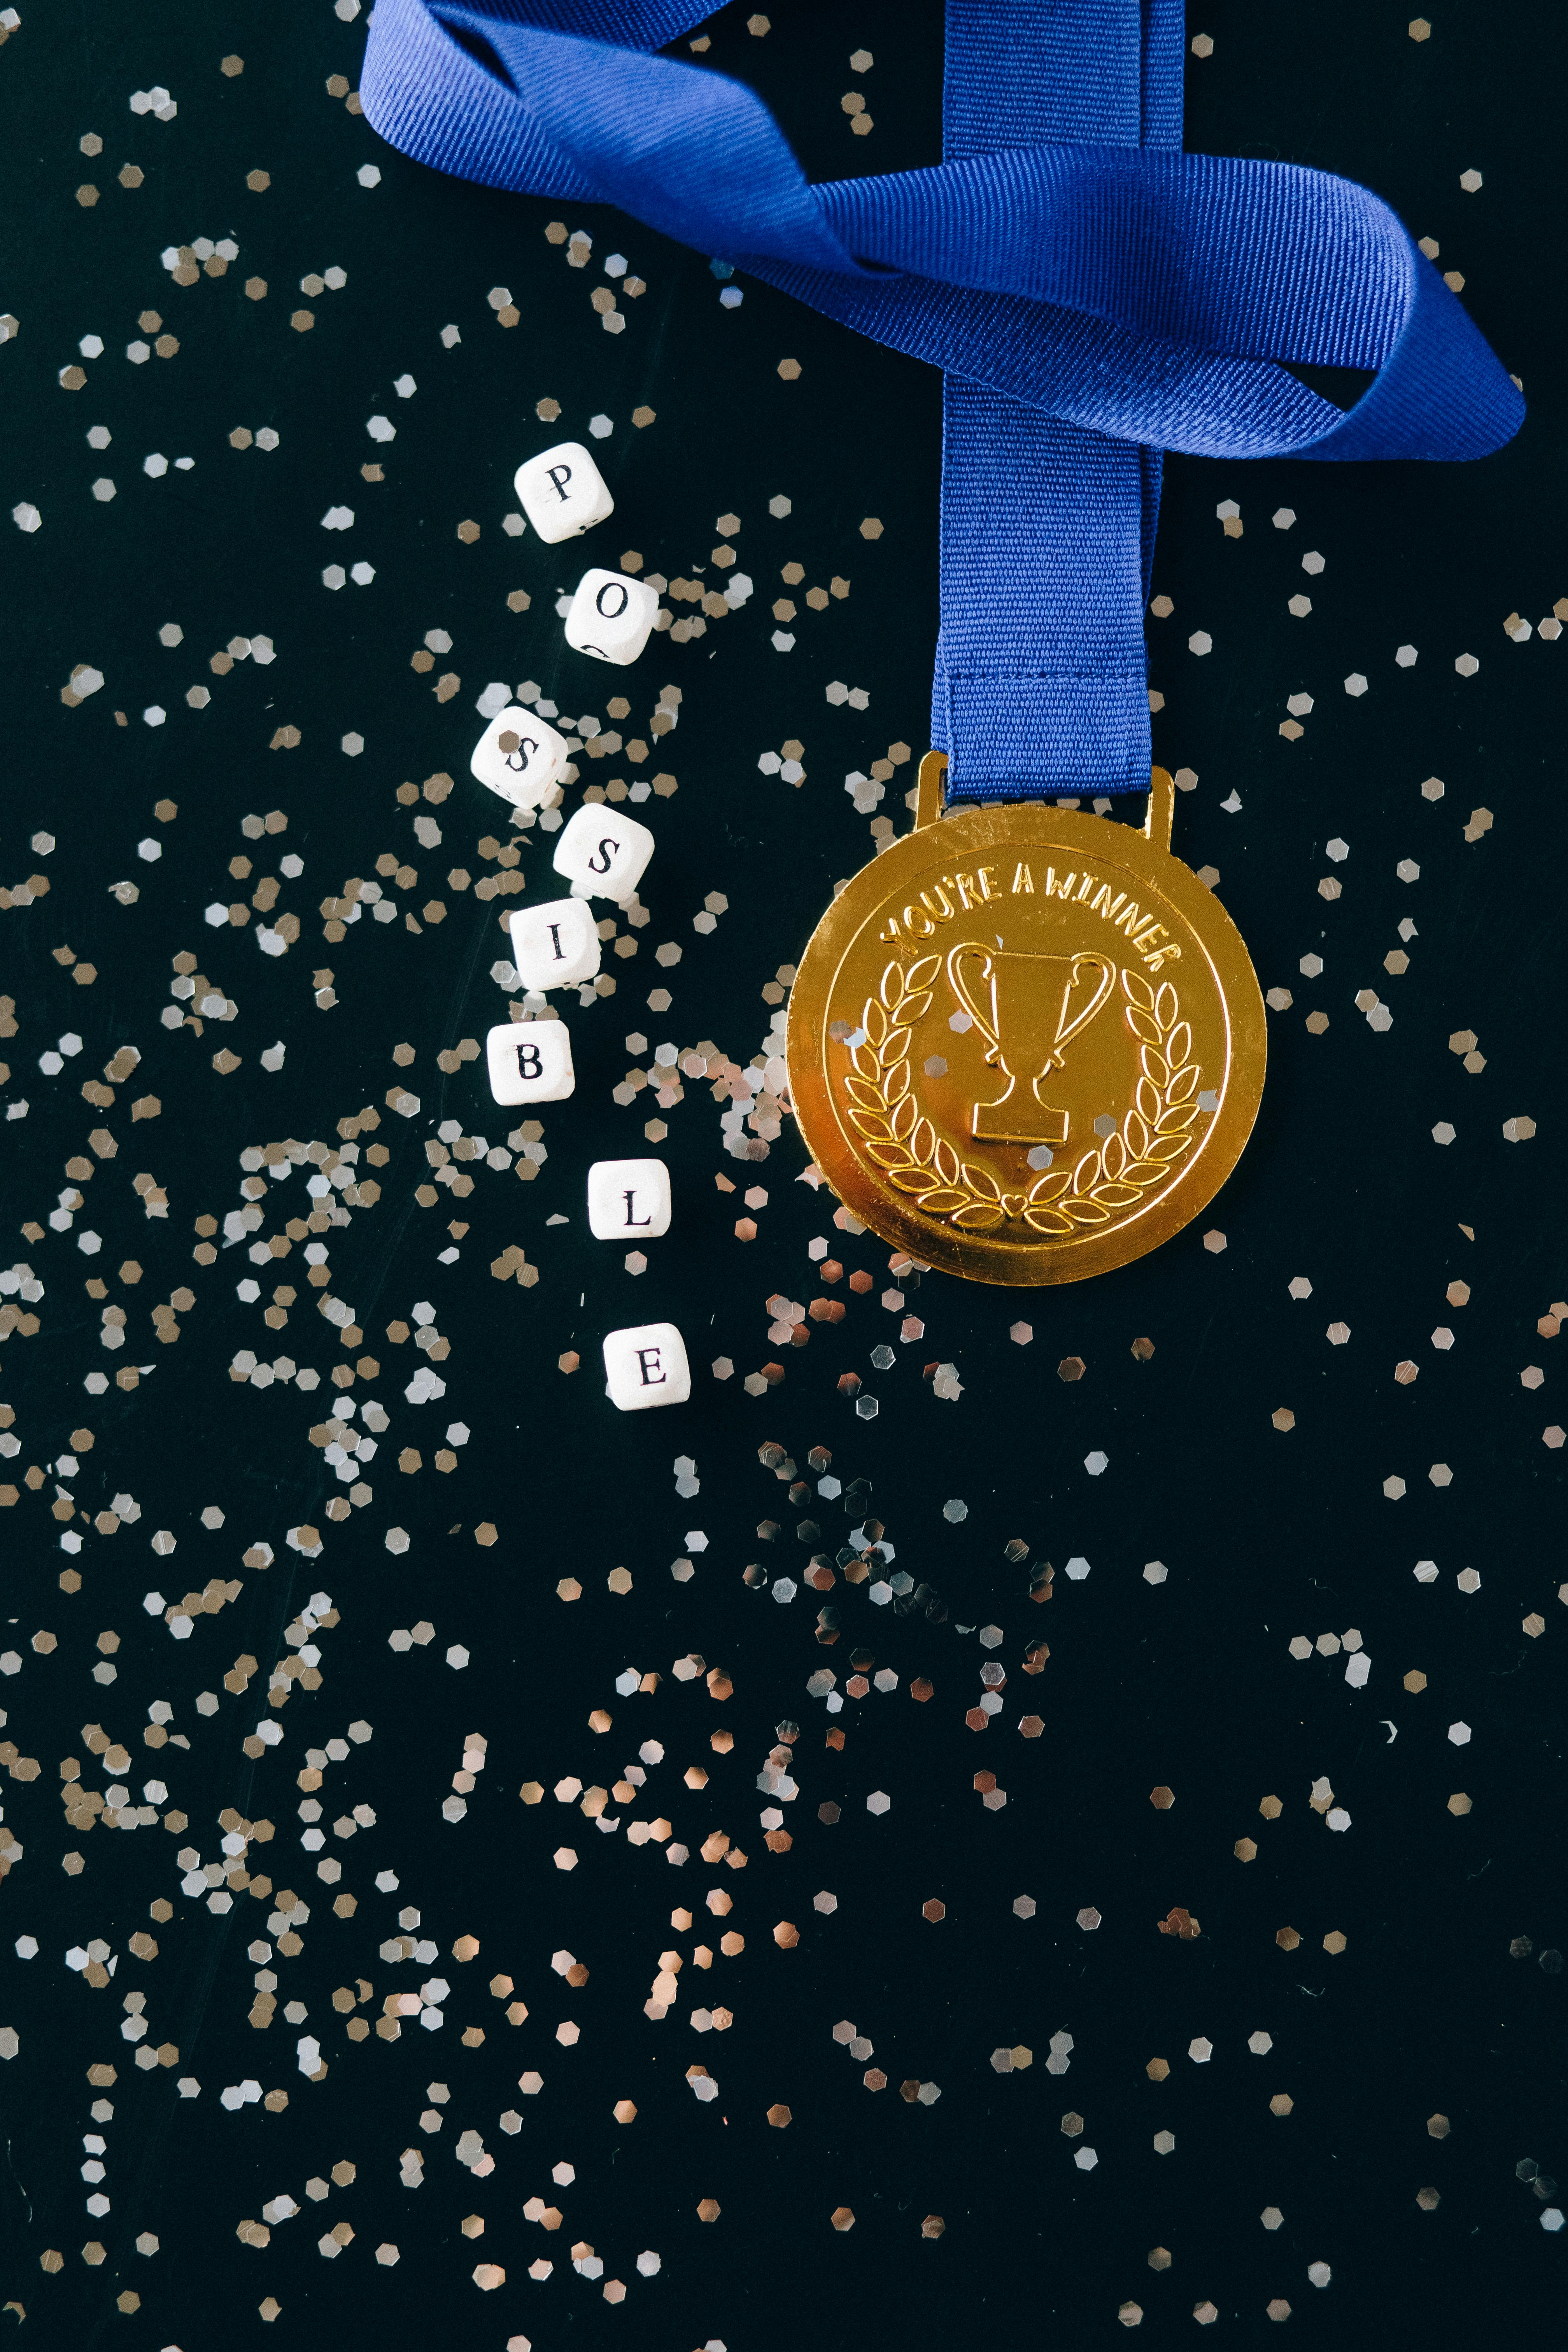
<point x="1093" y="295"/>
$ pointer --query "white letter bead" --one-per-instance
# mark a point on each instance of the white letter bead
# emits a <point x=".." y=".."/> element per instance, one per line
<point x="530" y="1061"/>
<point x="602" y="852"/>
<point x="612" y="617"/>
<point x="555" y="944"/>
<point x="645" y="1366"/>
<point x="519" y="757"/>
<point x="628" y="1200"/>
<point x="562" y="492"/>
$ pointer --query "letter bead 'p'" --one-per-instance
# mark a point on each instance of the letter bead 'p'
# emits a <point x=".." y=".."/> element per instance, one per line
<point x="519" y="757"/>
<point x="562" y="492"/>
<point x="556" y="944"/>
<point x="530" y="1061"/>
<point x="602" y="852"/>
<point x="628" y="1200"/>
<point x="645" y="1366"/>
<point x="612" y="617"/>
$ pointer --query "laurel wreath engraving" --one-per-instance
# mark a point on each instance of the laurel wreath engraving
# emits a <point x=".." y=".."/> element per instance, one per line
<point x="1155" y="1129"/>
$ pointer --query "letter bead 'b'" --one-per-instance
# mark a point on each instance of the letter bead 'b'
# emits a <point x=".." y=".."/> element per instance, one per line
<point x="628" y="1200"/>
<point x="530" y="1061"/>
<point x="562" y="492"/>
<point x="645" y="1366"/>
<point x="612" y="617"/>
<point x="602" y="852"/>
<point x="556" y="944"/>
<point x="519" y="757"/>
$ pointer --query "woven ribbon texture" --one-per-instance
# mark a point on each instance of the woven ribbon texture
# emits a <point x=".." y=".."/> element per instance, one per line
<point x="1093" y="295"/>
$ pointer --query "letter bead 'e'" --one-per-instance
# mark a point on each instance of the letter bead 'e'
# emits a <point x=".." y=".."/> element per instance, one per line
<point x="555" y="944"/>
<point x="628" y="1200"/>
<point x="645" y="1366"/>
<point x="519" y="757"/>
<point x="603" y="852"/>
<point x="530" y="1061"/>
<point x="562" y="492"/>
<point x="612" y="617"/>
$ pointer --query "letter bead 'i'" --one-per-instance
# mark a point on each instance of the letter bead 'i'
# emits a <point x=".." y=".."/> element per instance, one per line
<point x="555" y="944"/>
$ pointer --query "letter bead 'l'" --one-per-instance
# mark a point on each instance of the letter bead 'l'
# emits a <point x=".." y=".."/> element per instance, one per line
<point x="628" y="1200"/>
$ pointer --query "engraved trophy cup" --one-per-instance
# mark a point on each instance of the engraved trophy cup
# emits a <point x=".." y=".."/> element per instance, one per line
<point x="1024" y="1006"/>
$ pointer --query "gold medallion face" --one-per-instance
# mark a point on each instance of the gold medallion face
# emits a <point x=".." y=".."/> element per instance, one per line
<point x="1027" y="1045"/>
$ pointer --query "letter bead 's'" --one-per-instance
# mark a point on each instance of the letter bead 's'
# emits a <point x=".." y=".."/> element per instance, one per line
<point x="612" y="617"/>
<point x="628" y="1200"/>
<point x="602" y="852"/>
<point x="530" y="1061"/>
<point x="645" y="1366"/>
<point x="519" y="757"/>
<point x="562" y="492"/>
<point x="555" y="944"/>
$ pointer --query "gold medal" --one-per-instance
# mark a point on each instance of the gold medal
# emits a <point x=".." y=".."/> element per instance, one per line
<point x="1027" y="1045"/>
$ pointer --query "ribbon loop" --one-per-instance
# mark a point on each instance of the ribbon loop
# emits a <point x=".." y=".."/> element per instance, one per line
<point x="1148" y="294"/>
<point x="1093" y="294"/>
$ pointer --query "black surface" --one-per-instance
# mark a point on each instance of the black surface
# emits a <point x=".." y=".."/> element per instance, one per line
<point x="1266" y="1534"/>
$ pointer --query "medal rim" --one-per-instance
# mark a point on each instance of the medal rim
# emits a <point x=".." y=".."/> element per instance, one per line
<point x="1031" y="827"/>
